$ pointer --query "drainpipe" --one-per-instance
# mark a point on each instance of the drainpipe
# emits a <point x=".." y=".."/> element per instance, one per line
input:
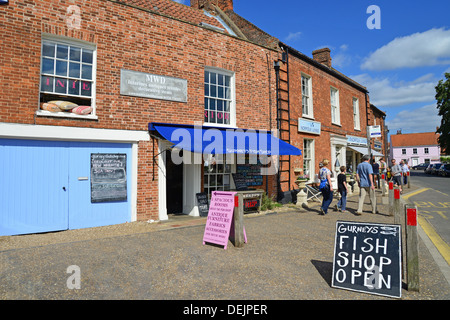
<point x="369" y="146"/>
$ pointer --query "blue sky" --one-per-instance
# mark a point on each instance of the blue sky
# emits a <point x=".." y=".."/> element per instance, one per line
<point x="400" y="63"/>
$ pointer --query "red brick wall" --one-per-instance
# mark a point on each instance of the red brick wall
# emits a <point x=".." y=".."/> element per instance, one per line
<point x="321" y="82"/>
<point x="137" y="40"/>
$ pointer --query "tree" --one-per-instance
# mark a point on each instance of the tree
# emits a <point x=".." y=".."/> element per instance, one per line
<point x="443" y="104"/>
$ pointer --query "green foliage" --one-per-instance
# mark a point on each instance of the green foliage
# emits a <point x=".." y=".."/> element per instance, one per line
<point x="443" y="104"/>
<point x="268" y="203"/>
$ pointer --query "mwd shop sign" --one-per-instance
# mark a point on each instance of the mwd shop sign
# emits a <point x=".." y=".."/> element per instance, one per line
<point x="367" y="258"/>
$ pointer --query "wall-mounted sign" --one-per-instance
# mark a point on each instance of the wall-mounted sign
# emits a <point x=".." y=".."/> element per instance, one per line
<point x="367" y="258"/>
<point x="308" y="126"/>
<point x="356" y="140"/>
<point x="146" y="85"/>
<point x="108" y="177"/>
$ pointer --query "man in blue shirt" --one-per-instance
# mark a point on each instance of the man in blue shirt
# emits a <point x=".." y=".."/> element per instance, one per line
<point x="364" y="177"/>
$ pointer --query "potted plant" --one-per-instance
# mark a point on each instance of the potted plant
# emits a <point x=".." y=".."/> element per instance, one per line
<point x="302" y="180"/>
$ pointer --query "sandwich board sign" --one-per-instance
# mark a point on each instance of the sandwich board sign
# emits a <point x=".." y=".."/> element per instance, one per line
<point x="367" y="258"/>
<point x="219" y="224"/>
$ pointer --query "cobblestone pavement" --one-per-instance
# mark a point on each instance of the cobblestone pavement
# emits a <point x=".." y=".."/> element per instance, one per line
<point x="288" y="256"/>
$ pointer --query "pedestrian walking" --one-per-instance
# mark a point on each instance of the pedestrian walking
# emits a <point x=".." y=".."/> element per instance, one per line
<point x="364" y="178"/>
<point x="396" y="174"/>
<point x="342" y="189"/>
<point x="376" y="173"/>
<point x="325" y="187"/>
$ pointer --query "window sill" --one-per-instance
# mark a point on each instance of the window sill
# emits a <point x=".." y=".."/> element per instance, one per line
<point x="44" y="113"/>
<point x="336" y="124"/>
<point x="308" y="117"/>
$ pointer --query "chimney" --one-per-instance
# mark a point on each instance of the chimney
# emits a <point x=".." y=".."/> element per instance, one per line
<point x="323" y="56"/>
<point x="224" y="5"/>
<point x="399" y="131"/>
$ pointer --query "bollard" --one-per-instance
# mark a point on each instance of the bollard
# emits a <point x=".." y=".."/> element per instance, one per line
<point x="391" y="198"/>
<point x="407" y="179"/>
<point x="238" y="222"/>
<point x="412" y="252"/>
<point x="397" y="206"/>
<point x="383" y="182"/>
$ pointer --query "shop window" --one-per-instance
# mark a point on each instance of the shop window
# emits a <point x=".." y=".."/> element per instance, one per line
<point x="219" y="105"/>
<point x="307" y="105"/>
<point x="67" y="84"/>
<point x="216" y="174"/>
<point x="335" y="112"/>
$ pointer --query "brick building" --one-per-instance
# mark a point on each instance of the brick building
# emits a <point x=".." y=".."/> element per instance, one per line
<point x="97" y="89"/>
<point x="328" y="114"/>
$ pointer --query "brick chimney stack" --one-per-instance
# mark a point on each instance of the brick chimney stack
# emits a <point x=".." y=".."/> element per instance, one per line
<point x="224" y="5"/>
<point x="323" y="56"/>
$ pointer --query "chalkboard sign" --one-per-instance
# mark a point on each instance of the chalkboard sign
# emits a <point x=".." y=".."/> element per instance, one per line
<point x="203" y="204"/>
<point x="251" y="173"/>
<point x="239" y="182"/>
<point x="108" y="177"/>
<point x="367" y="258"/>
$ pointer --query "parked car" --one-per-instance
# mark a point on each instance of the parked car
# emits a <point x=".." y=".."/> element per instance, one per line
<point x="435" y="168"/>
<point x="421" y="166"/>
<point x="444" y="170"/>
<point x="428" y="169"/>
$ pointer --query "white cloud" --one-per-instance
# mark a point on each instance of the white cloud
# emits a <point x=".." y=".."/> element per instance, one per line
<point x="384" y="93"/>
<point x="424" y="119"/>
<point x="427" y="48"/>
<point x="292" y="36"/>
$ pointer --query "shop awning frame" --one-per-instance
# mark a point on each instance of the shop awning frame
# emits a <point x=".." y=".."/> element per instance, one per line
<point x="222" y="140"/>
<point x="364" y="150"/>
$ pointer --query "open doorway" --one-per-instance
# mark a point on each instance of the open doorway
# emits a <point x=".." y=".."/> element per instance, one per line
<point x="174" y="185"/>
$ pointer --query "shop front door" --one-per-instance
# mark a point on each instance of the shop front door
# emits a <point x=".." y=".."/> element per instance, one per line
<point x="174" y="185"/>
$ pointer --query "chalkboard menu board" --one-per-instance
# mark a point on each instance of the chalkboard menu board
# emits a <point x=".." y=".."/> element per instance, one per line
<point x="239" y="182"/>
<point x="203" y="204"/>
<point x="251" y="173"/>
<point x="367" y="258"/>
<point x="108" y="177"/>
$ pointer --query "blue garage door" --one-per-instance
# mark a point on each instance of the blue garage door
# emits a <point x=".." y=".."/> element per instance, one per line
<point x="46" y="186"/>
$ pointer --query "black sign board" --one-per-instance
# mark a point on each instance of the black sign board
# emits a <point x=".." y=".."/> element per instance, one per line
<point x="203" y="204"/>
<point x="108" y="177"/>
<point x="239" y="182"/>
<point x="367" y="258"/>
<point x="251" y="173"/>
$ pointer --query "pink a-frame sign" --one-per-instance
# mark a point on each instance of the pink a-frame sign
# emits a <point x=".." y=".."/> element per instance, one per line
<point x="220" y="217"/>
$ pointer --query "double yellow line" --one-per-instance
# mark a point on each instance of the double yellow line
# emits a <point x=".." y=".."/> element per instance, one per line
<point x="439" y="243"/>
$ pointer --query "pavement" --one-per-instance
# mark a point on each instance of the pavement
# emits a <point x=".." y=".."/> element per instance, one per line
<point x="288" y="256"/>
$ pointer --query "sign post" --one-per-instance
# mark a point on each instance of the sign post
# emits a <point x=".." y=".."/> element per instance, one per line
<point x="367" y="258"/>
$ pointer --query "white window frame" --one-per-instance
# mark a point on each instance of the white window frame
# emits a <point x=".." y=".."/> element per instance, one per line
<point x="356" y="116"/>
<point x="426" y="150"/>
<point x="308" y="158"/>
<point x="403" y="151"/>
<point x="80" y="44"/>
<point x="307" y="95"/>
<point x="211" y="171"/>
<point x="231" y="99"/>
<point x="335" y="109"/>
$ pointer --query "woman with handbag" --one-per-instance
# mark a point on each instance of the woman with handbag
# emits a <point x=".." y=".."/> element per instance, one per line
<point x="326" y="187"/>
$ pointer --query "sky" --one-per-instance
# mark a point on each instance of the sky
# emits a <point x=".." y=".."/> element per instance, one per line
<point x="399" y="51"/>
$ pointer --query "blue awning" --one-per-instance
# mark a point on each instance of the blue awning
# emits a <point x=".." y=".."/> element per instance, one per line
<point x="218" y="140"/>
